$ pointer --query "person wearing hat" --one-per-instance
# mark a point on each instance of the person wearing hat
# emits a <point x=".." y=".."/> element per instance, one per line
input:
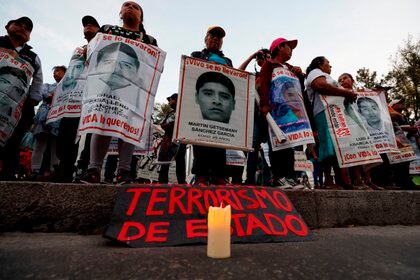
<point x="273" y="96"/>
<point x="131" y="14"/>
<point x="66" y="142"/>
<point x="167" y="148"/>
<point x="18" y="35"/>
<point x="209" y="165"/>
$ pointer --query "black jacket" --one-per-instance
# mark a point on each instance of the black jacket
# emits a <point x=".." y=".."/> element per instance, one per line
<point x="205" y="54"/>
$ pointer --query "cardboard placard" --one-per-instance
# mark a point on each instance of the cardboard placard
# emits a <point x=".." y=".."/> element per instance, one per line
<point x="167" y="215"/>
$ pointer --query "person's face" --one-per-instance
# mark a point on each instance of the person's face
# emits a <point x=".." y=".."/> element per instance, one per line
<point x="346" y="81"/>
<point x="11" y="86"/>
<point x="326" y="67"/>
<point x="172" y="103"/>
<point x="213" y="42"/>
<point x="370" y="112"/>
<point x="121" y="68"/>
<point x="131" y="11"/>
<point x="58" y="74"/>
<point x="72" y="73"/>
<point x="90" y="30"/>
<point x="285" y="51"/>
<point x="19" y="31"/>
<point x="216" y="102"/>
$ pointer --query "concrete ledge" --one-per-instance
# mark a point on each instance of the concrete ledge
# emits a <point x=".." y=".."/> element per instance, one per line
<point x="48" y="207"/>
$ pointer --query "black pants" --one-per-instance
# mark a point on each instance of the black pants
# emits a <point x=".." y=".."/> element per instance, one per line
<point x="180" y="167"/>
<point x="66" y="146"/>
<point x="282" y="163"/>
<point x="209" y="162"/>
<point x="10" y="153"/>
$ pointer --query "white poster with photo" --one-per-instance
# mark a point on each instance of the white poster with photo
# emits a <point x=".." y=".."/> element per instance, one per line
<point x="405" y="150"/>
<point x="415" y="164"/>
<point x="302" y="163"/>
<point x="121" y="84"/>
<point x="373" y="111"/>
<point x="235" y="158"/>
<point x="215" y="105"/>
<point x="288" y="111"/>
<point x="15" y="80"/>
<point x="352" y="142"/>
<point x="67" y="101"/>
<point x="145" y="147"/>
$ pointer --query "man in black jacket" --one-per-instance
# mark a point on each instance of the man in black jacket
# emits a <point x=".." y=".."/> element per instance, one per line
<point x="209" y="164"/>
<point x="18" y="34"/>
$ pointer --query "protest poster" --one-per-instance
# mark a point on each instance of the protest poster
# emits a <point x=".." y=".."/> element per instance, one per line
<point x="373" y="111"/>
<point x="15" y="79"/>
<point x="302" y="163"/>
<point x="288" y="111"/>
<point x="215" y="105"/>
<point x="67" y="100"/>
<point x="235" y="158"/>
<point x="352" y="142"/>
<point x="405" y="150"/>
<point x="121" y="84"/>
<point x="415" y="164"/>
<point x="145" y="147"/>
<point x="162" y="215"/>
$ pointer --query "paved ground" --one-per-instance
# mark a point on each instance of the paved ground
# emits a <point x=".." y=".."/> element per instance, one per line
<point x="391" y="252"/>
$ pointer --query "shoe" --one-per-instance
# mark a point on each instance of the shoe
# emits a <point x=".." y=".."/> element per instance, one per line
<point x="123" y="177"/>
<point x="33" y="177"/>
<point x="296" y="185"/>
<point x="375" y="187"/>
<point x="282" y="184"/>
<point x="91" y="176"/>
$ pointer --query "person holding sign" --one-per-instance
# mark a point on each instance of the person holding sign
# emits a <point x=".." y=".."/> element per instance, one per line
<point x="126" y="63"/>
<point x="18" y="34"/>
<point x="319" y="82"/>
<point x="67" y="133"/>
<point x="209" y="164"/>
<point x="274" y="97"/>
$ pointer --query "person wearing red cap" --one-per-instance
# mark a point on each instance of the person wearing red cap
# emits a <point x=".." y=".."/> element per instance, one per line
<point x="282" y="161"/>
<point x="18" y="35"/>
<point x="209" y="164"/>
<point x="131" y="14"/>
<point x="66" y="140"/>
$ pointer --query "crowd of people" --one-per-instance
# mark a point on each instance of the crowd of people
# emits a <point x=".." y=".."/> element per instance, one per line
<point x="55" y="146"/>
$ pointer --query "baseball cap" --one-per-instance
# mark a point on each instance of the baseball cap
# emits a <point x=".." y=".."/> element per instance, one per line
<point x="216" y="30"/>
<point x="89" y="20"/>
<point x="173" y="96"/>
<point x="25" y="20"/>
<point x="278" y="41"/>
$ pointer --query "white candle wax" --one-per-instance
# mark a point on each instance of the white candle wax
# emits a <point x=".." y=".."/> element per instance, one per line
<point x="218" y="237"/>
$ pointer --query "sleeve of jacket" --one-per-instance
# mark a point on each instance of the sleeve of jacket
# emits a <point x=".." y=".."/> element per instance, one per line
<point x="265" y="83"/>
<point x="196" y="54"/>
<point x="37" y="81"/>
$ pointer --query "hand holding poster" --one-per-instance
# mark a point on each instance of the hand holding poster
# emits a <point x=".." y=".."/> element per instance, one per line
<point x="15" y="79"/>
<point x="121" y="85"/>
<point x="288" y="110"/>
<point x="67" y="101"/>
<point x="215" y="105"/>
<point x="352" y="142"/>
<point x="373" y="111"/>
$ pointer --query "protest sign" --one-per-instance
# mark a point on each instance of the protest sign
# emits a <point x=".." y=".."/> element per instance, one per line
<point x="405" y="150"/>
<point x="215" y="105"/>
<point x="372" y="109"/>
<point x="288" y="111"/>
<point x="302" y="163"/>
<point x="235" y="158"/>
<point x="67" y="100"/>
<point x="15" y="79"/>
<point x="121" y="84"/>
<point x="161" y="215"/>
<point x="352" y="142"/>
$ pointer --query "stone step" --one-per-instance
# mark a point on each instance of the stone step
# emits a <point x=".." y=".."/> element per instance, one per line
<point x="50" y="207"/>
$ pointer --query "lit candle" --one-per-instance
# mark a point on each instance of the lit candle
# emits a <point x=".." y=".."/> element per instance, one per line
<point x="218" y="237"/>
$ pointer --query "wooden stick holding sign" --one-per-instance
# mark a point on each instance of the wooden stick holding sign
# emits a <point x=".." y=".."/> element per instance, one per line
<point x="272" y="123"/>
